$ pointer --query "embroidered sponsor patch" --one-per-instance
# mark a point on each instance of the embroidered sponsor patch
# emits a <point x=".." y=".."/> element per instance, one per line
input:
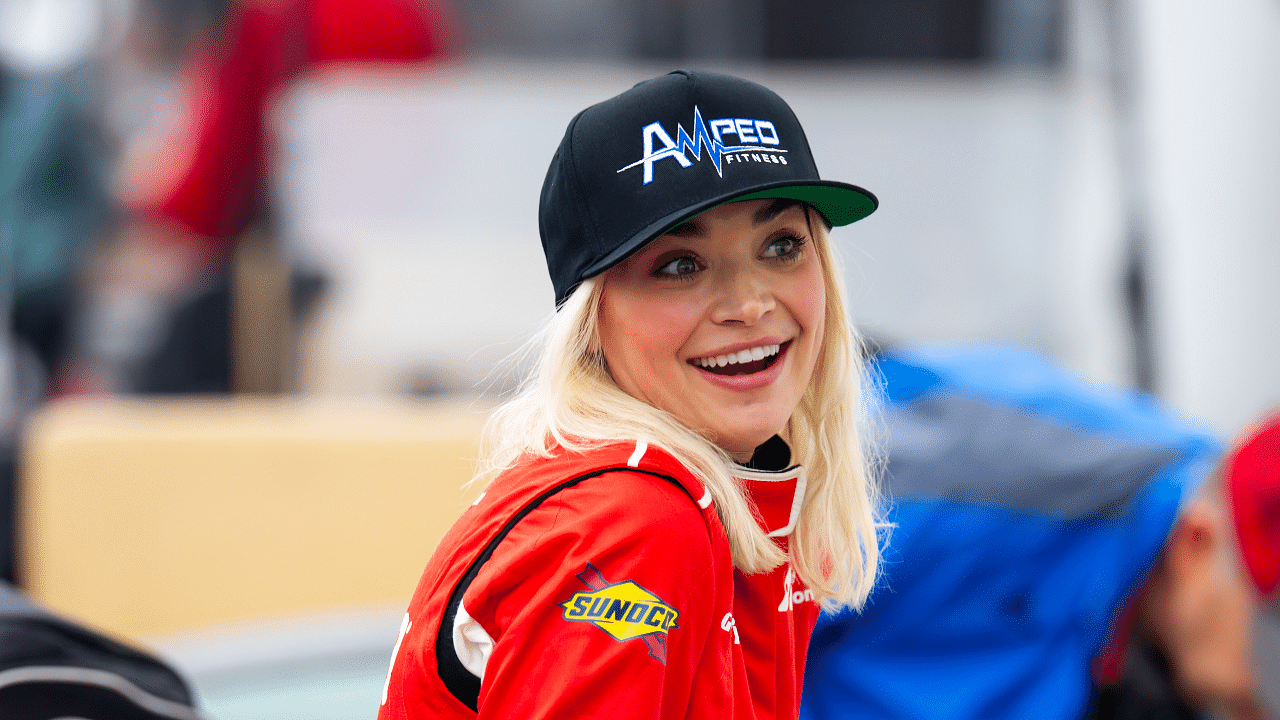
<point x="625" y="610"/>
<point x="758" y="141"/>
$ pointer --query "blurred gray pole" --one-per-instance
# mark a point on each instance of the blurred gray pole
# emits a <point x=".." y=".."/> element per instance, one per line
<point x="1094" y="210"/>
<point x="1120" y="22"/>
<point x="1208" y="110"/>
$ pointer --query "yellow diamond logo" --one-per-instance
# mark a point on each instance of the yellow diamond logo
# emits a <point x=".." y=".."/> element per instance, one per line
<point x="624" y="610"/>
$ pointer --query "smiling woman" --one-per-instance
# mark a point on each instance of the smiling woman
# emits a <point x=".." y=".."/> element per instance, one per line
<point x="645" y="546"/>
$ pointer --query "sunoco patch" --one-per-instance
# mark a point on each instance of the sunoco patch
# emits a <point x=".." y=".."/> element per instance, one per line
<point x="624" y="610"/>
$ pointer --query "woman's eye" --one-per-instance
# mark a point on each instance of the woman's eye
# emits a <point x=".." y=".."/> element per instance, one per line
<point x="679" y="267"/>
<point x="783" y="247"/>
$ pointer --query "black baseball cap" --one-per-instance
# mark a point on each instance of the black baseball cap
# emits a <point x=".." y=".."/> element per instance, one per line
<point x="635" y="166"/>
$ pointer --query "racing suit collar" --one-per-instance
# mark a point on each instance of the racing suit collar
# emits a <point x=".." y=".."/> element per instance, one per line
<point x="774" y="487"/>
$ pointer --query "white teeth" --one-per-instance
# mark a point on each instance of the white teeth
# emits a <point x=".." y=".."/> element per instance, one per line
<point x="755" y="353"/>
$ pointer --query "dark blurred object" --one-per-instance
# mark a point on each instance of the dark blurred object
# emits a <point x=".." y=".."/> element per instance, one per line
<point x="884" y="30"/>
<point x="1146" y="690"/>
<point x="54" y="206"/>
<point x="54" y="200"/>
<point x="8" y="514"/>
<point x="53" y="668"/>
<point x="947" y="31"/>
<point x="169" y="26"/>
<point x="195" y="356"/>
<point x="969" y="32"/>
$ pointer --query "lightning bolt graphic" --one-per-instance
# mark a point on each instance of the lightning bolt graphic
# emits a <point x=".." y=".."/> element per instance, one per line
<point x="685" y="143"/>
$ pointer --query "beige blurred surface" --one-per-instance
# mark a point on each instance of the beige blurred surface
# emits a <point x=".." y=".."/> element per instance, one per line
<point x="145" y="517"/>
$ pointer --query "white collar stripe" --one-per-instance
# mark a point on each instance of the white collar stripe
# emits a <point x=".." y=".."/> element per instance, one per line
<point x="641" y="448"/>
<point x="795" y="472"/>
<point x="795" y="506"/>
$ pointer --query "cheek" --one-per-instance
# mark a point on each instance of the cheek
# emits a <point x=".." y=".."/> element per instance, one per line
<point x="809" y="300"/>
<point x="809" y="309"/>
<point x="641" y="337"/>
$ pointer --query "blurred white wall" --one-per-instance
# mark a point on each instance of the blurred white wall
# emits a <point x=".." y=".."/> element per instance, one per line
<point x="418" y="195"/>
<point x="1210" y="122"/>
<point x="1007" y="200"/>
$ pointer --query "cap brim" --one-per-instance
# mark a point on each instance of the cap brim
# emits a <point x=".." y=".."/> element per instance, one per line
<point x="840" y="203"/>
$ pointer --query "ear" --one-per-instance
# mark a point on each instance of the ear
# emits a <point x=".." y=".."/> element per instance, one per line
<point x="1193" y="542"/>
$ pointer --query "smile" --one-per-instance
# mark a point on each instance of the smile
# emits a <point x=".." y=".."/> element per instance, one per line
<point x="743" y="362"/>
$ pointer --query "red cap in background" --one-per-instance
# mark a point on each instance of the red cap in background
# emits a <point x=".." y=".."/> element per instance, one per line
<point x="379" y="30"/>
<point x="1253" y="480"/>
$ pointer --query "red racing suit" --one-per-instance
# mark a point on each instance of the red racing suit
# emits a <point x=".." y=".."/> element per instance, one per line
<point x="600" y="584"/>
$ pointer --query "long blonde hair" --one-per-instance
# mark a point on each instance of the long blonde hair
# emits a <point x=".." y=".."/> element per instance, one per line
<point x="571" y="401"/>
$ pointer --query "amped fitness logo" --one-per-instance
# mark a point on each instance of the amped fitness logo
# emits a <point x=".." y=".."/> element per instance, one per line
<point x="658" y="144"/>
<point x="624" y="610"/>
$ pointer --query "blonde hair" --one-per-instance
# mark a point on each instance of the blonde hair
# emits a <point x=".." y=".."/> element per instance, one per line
<point x="571" y="401"/>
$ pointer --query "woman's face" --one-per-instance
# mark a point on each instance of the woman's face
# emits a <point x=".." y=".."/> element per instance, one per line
<point x="720" y="321"/>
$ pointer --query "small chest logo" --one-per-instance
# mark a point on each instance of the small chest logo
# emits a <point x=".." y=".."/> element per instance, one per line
<point x="758" y="141"/>
<point x="792" y="597"/>
<point x="624" y="610"/>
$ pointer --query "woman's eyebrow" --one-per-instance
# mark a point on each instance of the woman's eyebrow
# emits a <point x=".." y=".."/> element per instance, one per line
<point x="772" y="210"/>
<point x="694" y="227"/>
<point x="689" y="228"/>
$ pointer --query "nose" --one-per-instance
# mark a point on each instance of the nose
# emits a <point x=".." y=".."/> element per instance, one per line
<point x="743" y="298"/>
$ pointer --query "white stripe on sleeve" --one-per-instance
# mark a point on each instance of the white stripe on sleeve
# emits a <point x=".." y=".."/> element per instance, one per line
<point x="471" y="642"/>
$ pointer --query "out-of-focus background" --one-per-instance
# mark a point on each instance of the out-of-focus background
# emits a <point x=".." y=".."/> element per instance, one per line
<point x="267" y="263"/>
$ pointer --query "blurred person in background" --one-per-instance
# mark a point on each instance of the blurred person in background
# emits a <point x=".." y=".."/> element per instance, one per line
<point x="57" y="60"/>
<point x="195" y="184"/>
<point x="1046" y="529"/>
<point x="77" y="77"/>
<point x="53" y="203"/>
<point x="124" y="288"/>
<point x="1211" y="606"/>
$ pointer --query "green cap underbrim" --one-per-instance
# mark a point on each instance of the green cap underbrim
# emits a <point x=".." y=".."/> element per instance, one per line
<point x="839" y="204"/>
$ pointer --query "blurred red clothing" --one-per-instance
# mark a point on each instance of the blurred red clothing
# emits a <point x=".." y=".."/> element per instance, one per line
<point x="211" y="179"/>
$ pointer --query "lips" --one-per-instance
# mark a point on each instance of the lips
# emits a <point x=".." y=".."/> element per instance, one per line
<point x="743" y="362"/>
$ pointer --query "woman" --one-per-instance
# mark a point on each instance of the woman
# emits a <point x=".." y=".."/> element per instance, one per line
<point x="645" y="547"/>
